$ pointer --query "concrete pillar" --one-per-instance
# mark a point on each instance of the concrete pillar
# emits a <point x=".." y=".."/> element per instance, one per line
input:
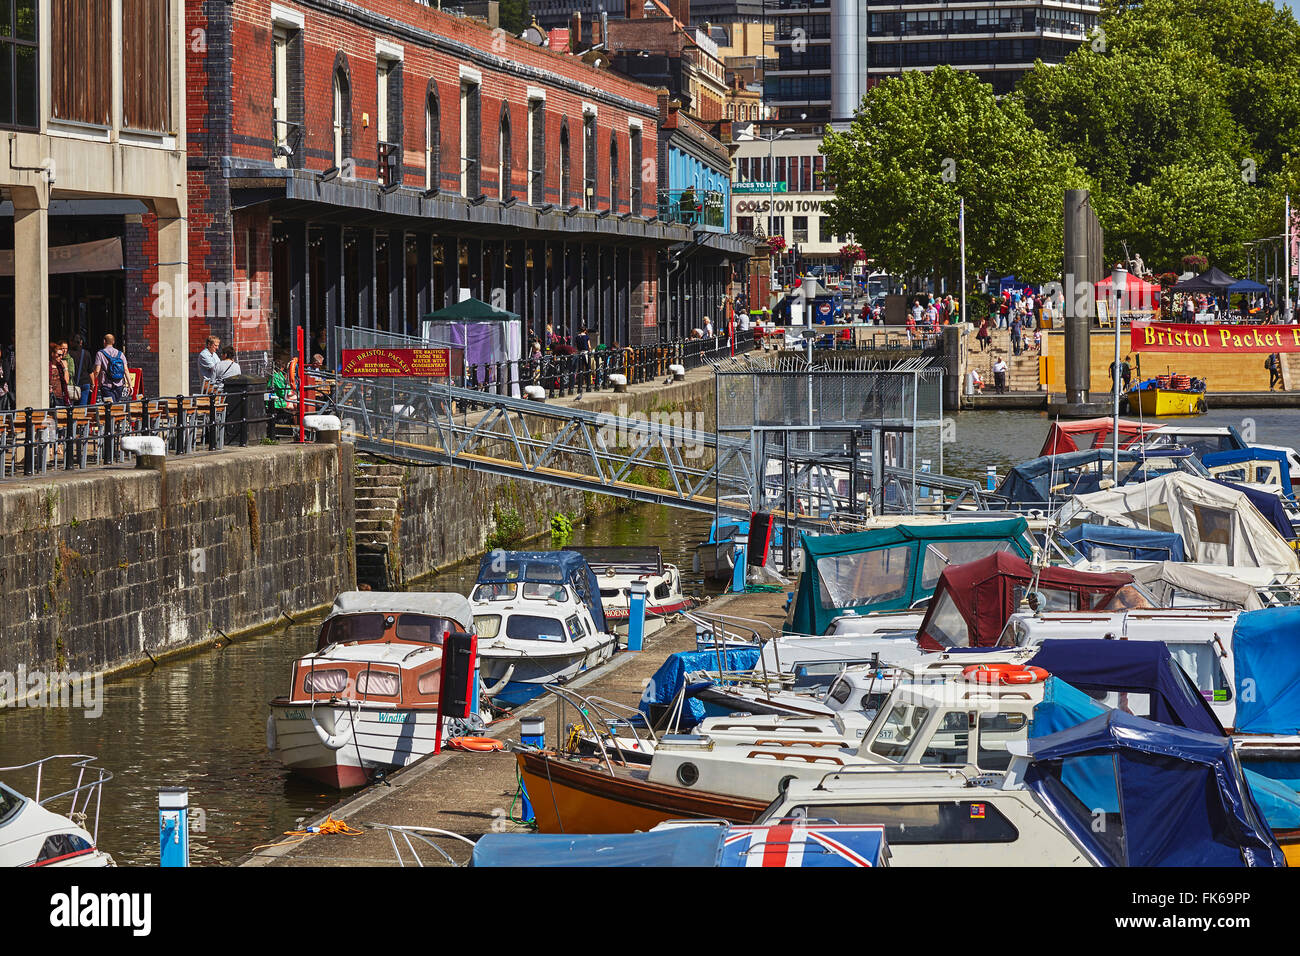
<point x="450" y="272"/>
<point x="173" y="322"/>
<point x="365" y="291"/>
<point x="397" y="281"/>
<point x="1078" y="304"/>
<point x="424" y="278"/>
<point x="335" y="289"/>
<point x="295" y="232"/>
<point x="515" y="286"/>
<point x="31" y="296"/>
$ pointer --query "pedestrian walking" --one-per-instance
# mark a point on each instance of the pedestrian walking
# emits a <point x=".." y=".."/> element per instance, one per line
<point x="1015" y="334"/>
<point x="1000" y="376"/>
<point x="1274" y="365"/>
<point x="82" y="364"/>
<point x="111" y="370"/>
<point x="983" y="337"/>
<point x="59" y="397"/>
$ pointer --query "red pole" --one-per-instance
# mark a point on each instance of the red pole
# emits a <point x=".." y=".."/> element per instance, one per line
<point x="302" y="430"/>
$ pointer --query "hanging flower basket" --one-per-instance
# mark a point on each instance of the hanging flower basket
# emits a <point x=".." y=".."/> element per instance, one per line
<point x="776" y="244"/>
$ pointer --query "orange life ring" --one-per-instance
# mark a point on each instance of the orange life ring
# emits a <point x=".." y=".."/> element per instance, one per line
<point x="477" y="744"/>
<point x="1004" y="674"/>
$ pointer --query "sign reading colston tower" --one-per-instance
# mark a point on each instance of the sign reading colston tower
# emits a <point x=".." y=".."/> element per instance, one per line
<point x="1206" y="339"/>
<point x="388" y="363"/>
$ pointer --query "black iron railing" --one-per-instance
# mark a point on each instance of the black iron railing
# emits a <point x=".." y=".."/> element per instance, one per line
<point x="36" y="441"/>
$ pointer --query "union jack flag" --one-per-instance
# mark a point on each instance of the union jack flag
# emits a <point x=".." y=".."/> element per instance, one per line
<point x="814" y="844"/>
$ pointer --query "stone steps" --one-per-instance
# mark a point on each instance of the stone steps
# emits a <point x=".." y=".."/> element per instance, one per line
<point x="377" y="491"/>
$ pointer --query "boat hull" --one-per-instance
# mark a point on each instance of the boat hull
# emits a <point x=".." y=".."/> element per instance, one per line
<point x="569" y="796"/>
<point x="1164" y="401"/>
<point x="496" y="665"/>
<point x="344" y="747"/>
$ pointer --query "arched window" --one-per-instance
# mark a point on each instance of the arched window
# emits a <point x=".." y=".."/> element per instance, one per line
<point x="565" y="199"/>
<point x="432" y="141"/>
<point x="342" y="116"/>
<point x="614" y="191"/>
<point x="505" y="178"/>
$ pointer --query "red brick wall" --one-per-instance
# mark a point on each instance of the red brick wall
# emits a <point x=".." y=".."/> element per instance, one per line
<point x="326" y="35"/>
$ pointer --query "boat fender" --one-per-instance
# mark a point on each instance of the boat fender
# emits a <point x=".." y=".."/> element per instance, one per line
<point x="336" y="740"/>
<point x="500" y="685"/>
<point x="271" y="738"/>
<point x="476" y="744"/>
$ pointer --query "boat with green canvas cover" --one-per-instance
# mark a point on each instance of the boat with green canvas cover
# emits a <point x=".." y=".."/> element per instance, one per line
<point x="891" y="569"/>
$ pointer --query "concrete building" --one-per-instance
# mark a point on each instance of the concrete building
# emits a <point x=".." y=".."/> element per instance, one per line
<point x="93" y="186"/>
<point x="395" y="155"/>
<point x="829" y="52"/>
<point x="778" y="189"/>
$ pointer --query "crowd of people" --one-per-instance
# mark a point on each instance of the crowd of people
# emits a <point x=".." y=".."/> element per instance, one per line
<point x="77" y="376"/>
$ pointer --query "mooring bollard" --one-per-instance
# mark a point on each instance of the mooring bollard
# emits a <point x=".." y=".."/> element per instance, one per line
<point x="738" y="572"/>
<point x="636" y="617"/>
<point x="174" y="826"/>
<point x="990" y="478"/>
<point x="328" y="428"/>
<point x="532" y="731"/>
<point x="150" y="451"/>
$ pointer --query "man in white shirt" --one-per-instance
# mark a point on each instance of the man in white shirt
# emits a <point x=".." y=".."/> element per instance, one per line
<point x="1000" y="376"/>
<point x="209" y="358"/>
<point x="708" y="327"/>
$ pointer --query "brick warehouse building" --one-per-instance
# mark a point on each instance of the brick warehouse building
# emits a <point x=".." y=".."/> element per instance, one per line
<point x="360" y="165"/>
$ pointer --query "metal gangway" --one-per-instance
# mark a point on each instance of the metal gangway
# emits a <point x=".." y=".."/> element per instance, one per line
<point x="423" y="422"/>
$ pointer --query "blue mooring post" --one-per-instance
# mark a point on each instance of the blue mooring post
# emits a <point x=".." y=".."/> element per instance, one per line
<point x="174" y="826"/>
<point x="990" y="478"/>
<point x="474" y="696"/>
<point x="636" y="617"/>
<point x="925" y="467"/>
<point x="532" y="731"/>
<point x="738" y="572"/>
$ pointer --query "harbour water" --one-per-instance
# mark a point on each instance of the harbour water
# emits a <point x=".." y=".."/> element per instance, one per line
<point x="200" y="722"/>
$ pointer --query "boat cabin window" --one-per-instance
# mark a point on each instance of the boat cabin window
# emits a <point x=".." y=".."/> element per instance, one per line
<point x="62" y="844"/>
<point x="494" y="591"/>
<point x="10" y="803"/>
<point x="526" y="627"/>
<point x="947" y="626"/>
<point x="1086" y="788"/>
<point x="957" y="821"/>
<point x="576" y="627"/>
<point x="840" y="691"/>
<point x="1213" y="524"/>
<point x="898" y="731"/>
<point x="329" y="681"/>
<point x="995" y="732"/>
<point x="868" y="577"/>
<point x="545" y="592"/>
<point x="1201" y="661"/>
<point x="352" y="627"/>
<point x="950" y="743"/>
<point x="940" y="554"/>
<point x="430" y="682"/>
<point x="1156" y="518"/>
<point x="662" y="591"/>
<point x="424" y="628"/>
<point x="1128" y="598"/>
<point x="487" y="625"/>
<point x="378" y="684"/>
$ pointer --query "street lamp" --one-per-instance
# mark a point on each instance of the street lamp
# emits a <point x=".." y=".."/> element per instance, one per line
<point x="771" y="186"/>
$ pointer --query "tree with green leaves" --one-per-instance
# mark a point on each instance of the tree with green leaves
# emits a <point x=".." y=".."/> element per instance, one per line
<point x="514" y="16"/>
<point x="919" y="144"/>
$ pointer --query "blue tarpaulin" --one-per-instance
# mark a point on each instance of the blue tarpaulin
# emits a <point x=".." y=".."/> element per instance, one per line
<point x="678" y="846"/>
<point x="1243" y="456"/>
<point x="1137" y="544"/>
<point x="1266" y="651"/>
<point x="1063" y="707"/>
<point x="669" y="679"/>
<point x="1180" y="800"/>
<point x="1279" y="802"/>
<point x="1133" y="667"/>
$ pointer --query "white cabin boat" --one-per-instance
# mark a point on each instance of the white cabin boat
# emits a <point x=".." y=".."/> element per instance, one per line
<point x="617" y="567"/>
<point x="32" y="833"/>
<point x="366" y="700"/>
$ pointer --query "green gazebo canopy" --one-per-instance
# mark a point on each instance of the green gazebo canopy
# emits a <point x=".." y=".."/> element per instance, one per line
<point x="471" y="310"/>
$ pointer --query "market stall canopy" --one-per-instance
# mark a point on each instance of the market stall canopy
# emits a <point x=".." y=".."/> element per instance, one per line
<point x="1213" y="280"/>
<point x="1246" y="285"/>
<point x="1218" y="525"/>
<point x="471" y="309"/>
<point x="1139" y="294"/>
<point x="483" y="337"/>
<point x="973" y="601"/>
<point x="889" y="569"/>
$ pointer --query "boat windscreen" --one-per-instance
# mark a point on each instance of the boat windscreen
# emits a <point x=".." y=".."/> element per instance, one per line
<point x="527" y="627"/>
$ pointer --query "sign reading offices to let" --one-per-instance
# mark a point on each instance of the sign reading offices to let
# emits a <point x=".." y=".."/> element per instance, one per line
<point x="1176" y="337"/>
<point x="765" y="187"/>
<point x="388" y="363"/>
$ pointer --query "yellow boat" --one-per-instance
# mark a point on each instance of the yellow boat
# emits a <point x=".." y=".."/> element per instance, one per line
<point x="1154" y="402"/>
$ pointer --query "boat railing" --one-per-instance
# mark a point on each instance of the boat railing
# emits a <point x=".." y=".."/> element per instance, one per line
<point x="89" y="784"/>
<point x="410" y="835"/>
<point x="717" y="625"/>
<point x="585" y="707"/>
<point x="609" y="710"/>
<point x="895" y="769"/>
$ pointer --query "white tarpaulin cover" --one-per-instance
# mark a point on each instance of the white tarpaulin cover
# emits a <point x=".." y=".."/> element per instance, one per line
<point x="1165" y="579"/>
<point x="1218" y="525"/>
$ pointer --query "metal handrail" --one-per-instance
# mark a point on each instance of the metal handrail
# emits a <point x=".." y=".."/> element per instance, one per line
<point x="423" y="834"/>
<point x="82" y="765"/>
<point x="877" y="769"/>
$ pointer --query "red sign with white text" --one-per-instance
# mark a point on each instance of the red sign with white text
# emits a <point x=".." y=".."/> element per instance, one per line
<point x="388" y="363"/>
<point x="1207" y="339"/>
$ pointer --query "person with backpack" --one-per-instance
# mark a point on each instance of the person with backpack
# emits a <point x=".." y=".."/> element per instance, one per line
<point x="110" y="371"/>
<point x="82" y="364"/>
<point x="1274" y="365"/>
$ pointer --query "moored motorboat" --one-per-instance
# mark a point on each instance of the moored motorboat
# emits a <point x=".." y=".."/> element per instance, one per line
<point x="366" y="700"/>
<point x="33" y="833"/>
<point x="540" y="620"/>
<point x="1167" y="395"/>
<point x="617" y="567"/>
